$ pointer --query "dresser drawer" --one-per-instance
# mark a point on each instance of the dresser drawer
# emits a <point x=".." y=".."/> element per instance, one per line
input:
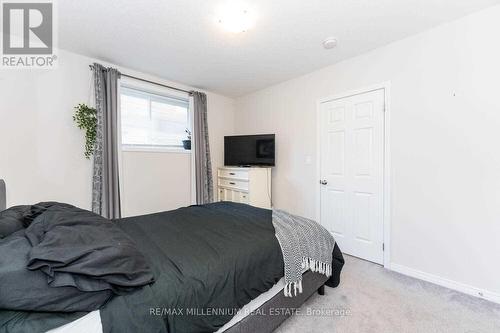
<point x="233" y="174"/>
<point x="243" y="197"/>
<point x="239" y="184"/>
<point x="226" y="194"/>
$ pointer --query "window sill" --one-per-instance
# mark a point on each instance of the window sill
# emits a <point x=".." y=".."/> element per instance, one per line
<point x="173" y="150"/>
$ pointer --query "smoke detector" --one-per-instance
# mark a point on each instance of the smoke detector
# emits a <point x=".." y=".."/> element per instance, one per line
<point x="330" y="43"/>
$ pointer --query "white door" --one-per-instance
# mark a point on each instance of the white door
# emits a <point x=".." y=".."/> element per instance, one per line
<point x="352" y="162"/>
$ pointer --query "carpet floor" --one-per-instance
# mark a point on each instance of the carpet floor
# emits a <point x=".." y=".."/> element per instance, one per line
<point x="373" y="299"/>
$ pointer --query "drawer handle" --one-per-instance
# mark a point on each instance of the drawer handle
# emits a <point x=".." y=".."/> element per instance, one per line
<point x="232" y="183"/>
<point x="232" y="173"/>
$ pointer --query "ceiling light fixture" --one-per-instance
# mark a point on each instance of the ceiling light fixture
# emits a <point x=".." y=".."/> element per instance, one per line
<point x="236" y="18"/>
<point x="330" y="43"/>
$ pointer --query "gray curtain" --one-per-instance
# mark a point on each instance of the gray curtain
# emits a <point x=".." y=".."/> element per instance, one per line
<point x="203" y="165"/>
<point x="105" y="184"/>
<point x="3" y="195"/>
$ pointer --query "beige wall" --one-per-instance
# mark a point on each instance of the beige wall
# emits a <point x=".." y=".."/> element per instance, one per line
<point x="41" y="150"/>
<point x="220" y="123"/>
<point x="445" y="163"/>
<point x="155" y="182"/>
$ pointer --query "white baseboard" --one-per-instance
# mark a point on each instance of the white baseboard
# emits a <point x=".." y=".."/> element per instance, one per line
<point x="450" y="284"/>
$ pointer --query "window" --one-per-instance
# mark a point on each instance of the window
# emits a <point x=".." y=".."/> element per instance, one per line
<point x="152" y="121"/>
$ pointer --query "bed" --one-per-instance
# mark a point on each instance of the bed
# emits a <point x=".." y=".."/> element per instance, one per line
<point x="217" y="268"/>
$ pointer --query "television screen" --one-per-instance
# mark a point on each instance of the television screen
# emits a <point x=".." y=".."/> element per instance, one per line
<point x="242" y="150"/>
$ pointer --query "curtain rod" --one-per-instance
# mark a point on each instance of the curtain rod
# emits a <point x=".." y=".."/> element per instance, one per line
<point x="148" y="81"/>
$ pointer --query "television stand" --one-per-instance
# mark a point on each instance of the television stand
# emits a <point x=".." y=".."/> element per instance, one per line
<point x="250" y="185"/>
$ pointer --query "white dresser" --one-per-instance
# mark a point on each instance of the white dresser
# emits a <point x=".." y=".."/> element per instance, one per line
<point x="246" y="185"/>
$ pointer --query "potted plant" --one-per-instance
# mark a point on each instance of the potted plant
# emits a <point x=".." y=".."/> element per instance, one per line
<point x="187" y="143"/>
<point x="85" y="118"/>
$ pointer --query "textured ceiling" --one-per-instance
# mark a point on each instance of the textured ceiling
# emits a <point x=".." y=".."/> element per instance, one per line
<point x="181" y="41"/>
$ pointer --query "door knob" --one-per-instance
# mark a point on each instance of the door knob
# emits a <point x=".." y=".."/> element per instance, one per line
<point x="323" y="182"/>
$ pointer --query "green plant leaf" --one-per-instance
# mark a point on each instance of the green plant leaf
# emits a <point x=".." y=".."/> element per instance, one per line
<point x="85" y="118"/>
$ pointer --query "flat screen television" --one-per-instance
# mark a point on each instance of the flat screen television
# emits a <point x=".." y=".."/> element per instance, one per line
<point x="249" y="150"/>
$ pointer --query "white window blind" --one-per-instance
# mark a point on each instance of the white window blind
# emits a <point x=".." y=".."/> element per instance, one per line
<point x="150" y="120"/>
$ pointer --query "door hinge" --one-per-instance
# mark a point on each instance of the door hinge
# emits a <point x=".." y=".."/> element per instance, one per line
<point x="383" y="246"/>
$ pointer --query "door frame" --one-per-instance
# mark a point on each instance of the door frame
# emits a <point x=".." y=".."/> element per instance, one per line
<point x="386" y="216"/>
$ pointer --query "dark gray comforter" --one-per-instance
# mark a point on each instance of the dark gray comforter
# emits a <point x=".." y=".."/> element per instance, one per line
<point x="208" y="261"/>
<point x="77" y="248"/>
<point x="67" y="260"/>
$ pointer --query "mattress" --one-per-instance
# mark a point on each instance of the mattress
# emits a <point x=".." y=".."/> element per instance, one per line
<point x="91" y="323"/>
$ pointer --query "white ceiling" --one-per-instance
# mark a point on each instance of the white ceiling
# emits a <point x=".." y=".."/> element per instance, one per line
<point x="180" y="40"/>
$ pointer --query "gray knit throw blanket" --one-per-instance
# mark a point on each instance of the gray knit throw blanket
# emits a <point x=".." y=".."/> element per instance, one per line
<point x="305" y="245"/>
